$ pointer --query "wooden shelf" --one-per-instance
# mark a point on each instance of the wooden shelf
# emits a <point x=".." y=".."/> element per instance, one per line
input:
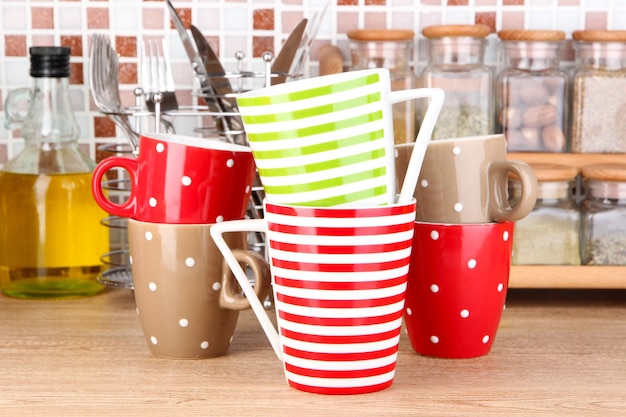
<point x="568" y="276"/>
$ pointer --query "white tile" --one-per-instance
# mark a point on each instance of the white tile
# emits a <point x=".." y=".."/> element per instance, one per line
<point x="124" y="18"/>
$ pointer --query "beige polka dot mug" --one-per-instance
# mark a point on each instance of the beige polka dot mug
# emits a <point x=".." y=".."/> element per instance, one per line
<point x="187" y="299"/>
<point x="465" y="180"/>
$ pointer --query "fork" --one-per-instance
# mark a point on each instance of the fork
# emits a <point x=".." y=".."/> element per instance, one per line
<point x="156" y="76"/>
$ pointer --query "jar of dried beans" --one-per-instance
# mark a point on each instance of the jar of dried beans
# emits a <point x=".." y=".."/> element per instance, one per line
<point x="532" y="91"/>
<point x="456" y="65"/>
<point x="391" y="49"/>
<point x="599" y="92"/>
<point x="604" y="214"/>
<point x="550" y="234"/>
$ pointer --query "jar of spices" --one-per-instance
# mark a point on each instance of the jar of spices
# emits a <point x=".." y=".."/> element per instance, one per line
<point x="599" y="92"/>
<point x="532" y="91"/>
<point x="604" y="214"/>
<point x="550" y="234"/>
<point x="456" y="65"/>
<point x="391" y="49"/>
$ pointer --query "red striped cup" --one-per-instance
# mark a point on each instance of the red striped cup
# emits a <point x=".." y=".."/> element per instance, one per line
<point x="339" y="279"/>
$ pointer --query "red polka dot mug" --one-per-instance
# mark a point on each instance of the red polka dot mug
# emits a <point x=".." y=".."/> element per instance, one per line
<point x="181" y="179"/>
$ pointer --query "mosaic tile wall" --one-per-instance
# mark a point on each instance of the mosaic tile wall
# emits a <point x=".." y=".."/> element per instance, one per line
<point x="250" y="26"/>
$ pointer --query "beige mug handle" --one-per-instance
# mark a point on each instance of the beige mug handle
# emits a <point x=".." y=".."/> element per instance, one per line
<point x="230" y="296"/>
<point x="500" y="209"/>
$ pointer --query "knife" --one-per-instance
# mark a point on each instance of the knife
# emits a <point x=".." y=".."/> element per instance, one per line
<point x="284" y="59"/>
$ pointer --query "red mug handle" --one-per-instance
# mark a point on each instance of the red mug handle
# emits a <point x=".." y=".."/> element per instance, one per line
<point x="126" y="209"/>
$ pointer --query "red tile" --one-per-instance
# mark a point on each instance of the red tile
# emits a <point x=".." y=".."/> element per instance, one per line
<point x="97" y="18"/>
<point x="375" y="2"/>
<point x="512" y="2"/>
<point x="76" y="73"/>
<point x="486" y="18"/>
<point x="185" y="17"/>
<point x="42" y="17"/>
<point x="263" y="19"/>
<point x="75" y="43"/>
<point x="347" y="2"/>
<point x="127" y="73"/>
<point x="458" y="2"/>
<point x="15" y="45"/>
<point x="126" y="45"/>
<point x="103" y="127"/>
<point x="261" y="44"/>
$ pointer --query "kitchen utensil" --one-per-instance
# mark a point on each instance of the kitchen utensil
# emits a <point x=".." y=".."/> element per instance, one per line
<point x="330" y="60"/>
<point x="181" y="179"/>
<point x="302" y="54"/>
<point x="283" y="61"/>
<point x="339" y="278"/>
<point x="156" y="76"/>
<point x="104" y="86"/>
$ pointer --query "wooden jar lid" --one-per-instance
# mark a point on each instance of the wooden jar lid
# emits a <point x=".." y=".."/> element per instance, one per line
<point x="380" y="34"/>
<point x="605" y="172"/>
<point x="554" y="172"/>
<point x="440" y="31"/>
<point x="531" y="35"/>
<point x="599" y="35"/>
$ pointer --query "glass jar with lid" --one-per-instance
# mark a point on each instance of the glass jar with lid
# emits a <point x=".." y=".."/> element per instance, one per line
<point x="391" y="49"/>
<point x="531" y="89"/>
<point x="599" y="92"/>
<point x="604" y="214"/>
<point x="456" y="65"/>
<point x="550" y="234"/>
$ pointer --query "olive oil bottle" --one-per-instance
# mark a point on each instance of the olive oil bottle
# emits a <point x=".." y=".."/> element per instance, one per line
<point x="51" y="238"/>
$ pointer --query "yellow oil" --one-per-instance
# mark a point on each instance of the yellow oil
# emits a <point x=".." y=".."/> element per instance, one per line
<point x="51" y="239"/>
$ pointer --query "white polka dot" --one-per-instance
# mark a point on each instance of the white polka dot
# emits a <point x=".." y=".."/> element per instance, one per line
<point x="183" y="322"/>
<point x="500" y="287"/>
<point x="434" y="235"/>
<point x="160" y="147"/>
<point x="434" y="288"/>
<point x="219" y="219"/>
<point x="186" y="180"/>
<point x="464" y="313"/>
<point x="424" y="183"/>
<point x="434" y="339"/>
<point x="190" y="262"/>
<point x="217" y="286"/>
<point x="152" y="202"/>
<point x="148" y="235"/>
<point x="471" y="264"/>
<point x="204" y="345"/>
<point x="485" y="338"/>
<point x="456" y="150"/>
<point x="409" y="311"/>
<point x="505" y="236"/>
<point x="458" y="207"/>
<point x="230" y="163"/>
<point x="154" y="340"/>
<point x="152" y="286"/>
<point x="247" y="189"/>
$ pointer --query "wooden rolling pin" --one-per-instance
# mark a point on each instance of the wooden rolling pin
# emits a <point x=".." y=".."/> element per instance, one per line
<point x="330" y="59"/>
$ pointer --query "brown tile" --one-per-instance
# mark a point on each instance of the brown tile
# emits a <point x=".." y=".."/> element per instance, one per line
<point x="375" y="2"/>
<point x="596" y="20"/>
<point x="185" y="17"/>
<point x="75" y="43"/>
<point x="486" y="18"/>
<point x="42" y="17"/>
<point x="15" y="45"/>
<point x="458" y="2"/>
<point x="347" y="2"/>
<point x="263" y="19"/>
<point x="103" y="127"/>
<point x="126" y="45"/>
<point x="97" y="18"/>
<point x="512" y="2"/>
<point x="261" y="44"/>
<point x="76" y="73"/>
<point x="127" y="73"/>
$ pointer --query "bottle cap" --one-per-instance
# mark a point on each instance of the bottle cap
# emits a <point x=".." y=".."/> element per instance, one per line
<point x="49" y="61"/>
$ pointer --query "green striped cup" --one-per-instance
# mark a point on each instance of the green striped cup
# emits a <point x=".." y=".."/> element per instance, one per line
<point x="325" y="141"/>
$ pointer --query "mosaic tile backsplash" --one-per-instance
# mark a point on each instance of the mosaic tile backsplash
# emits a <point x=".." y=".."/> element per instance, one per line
<point x="250" y="26"/>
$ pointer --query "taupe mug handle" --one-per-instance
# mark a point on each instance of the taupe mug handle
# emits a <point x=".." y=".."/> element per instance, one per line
<point x="230" y="296"/>
<point x="500" y="209"/>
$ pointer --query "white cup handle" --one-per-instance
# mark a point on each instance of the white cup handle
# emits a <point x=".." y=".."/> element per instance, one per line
<point x="253" y="225"/>
<point x="424" y="134"/>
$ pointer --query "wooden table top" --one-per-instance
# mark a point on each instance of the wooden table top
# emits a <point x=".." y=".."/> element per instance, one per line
<point x="557" y="353"/>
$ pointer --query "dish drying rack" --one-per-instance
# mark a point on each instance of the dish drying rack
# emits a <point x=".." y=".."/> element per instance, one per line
<point x="117" y="260"/>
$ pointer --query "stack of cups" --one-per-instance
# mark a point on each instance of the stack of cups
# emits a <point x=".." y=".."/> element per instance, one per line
<point x="339" y="240"/>
<point x="462" y="245"/>
<point x="180" y="186"/>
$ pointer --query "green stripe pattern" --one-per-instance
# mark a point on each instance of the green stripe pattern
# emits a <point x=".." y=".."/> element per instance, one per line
<point x="321" y="146"/>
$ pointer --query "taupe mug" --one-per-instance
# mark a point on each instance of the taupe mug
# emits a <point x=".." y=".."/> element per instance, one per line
<point x="465" y="180"/>
<point x="187" y="299"/>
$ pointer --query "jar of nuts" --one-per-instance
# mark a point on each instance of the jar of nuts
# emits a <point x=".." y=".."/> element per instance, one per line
<point x="391" y="49"/>
<point x="532" y="90"/>
<point x="599" y="92"/>
<point x="456" y="65"/>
